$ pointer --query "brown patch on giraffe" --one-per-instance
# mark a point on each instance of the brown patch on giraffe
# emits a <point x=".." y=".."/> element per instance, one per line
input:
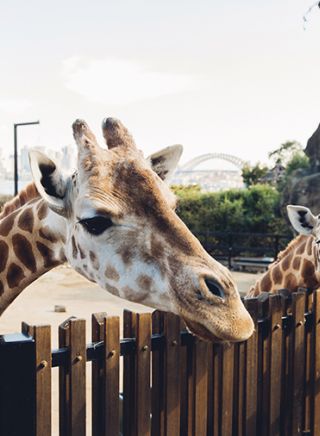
<point x="291" y="282"/>
<point x="42" y="210"/>
<point x="286" y="262"/>
<point x="111" y="289"/>
<point x="111" y="273"/>
<point x="266" y="283"/>
<point x="144" y="282"/>
<point x="296" y="263"/>
<point x="1" y="288"/>
<point x="301" y="248"/>
<point x="126" y="254"/>
<point x="277" y="274"/>
<point x="47" y="254"/>
<point x="310" y="245"/>
<point x="29" y="193"/>
<point x="308" y="274"/>
<point x="157" y="248"/>
<point x="23" y="250"/>
<point x="82" y="255"/>
<point x="47" y="234"/>
<point x="14" y="275"/>
<point x="74" y="248"/>
<point x="4" y="253"/>
<point x="25" y="221"/>
<point x="94" y="260"/>
<point x="7" y="223"/>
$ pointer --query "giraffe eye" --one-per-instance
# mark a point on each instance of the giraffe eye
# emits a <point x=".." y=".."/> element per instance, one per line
<point x="96" y="225"/>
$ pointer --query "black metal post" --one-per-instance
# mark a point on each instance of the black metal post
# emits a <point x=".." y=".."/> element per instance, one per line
<point x="17" y="385"/>
<point x="15" y="126"/>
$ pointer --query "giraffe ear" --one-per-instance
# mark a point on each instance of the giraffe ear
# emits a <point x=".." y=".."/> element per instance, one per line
<point x="164" y="162"/>
<point x="50" y="182"/>
<point x="302" y="219"/>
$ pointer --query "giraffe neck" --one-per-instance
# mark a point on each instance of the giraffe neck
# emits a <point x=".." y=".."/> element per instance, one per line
<point x="295" y="267"/>
<point x="31" y="243"/>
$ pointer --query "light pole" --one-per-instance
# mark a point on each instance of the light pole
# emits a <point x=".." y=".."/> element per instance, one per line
<point x="16" y="152"/>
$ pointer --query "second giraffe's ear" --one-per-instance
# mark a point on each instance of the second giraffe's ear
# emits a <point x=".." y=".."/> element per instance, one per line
<point x="302" y="219"/>
<point x="165" y="161"/>
<point x="50" y="182"/>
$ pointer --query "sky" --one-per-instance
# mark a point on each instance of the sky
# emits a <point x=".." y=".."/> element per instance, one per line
<point x="238" y="77"/>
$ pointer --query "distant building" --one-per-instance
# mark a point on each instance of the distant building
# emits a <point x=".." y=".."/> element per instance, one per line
<point x="209" y="180"/>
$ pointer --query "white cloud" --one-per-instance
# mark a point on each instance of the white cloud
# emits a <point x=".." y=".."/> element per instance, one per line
<point x="119" y="81"/>
<point x="12" y="106"/>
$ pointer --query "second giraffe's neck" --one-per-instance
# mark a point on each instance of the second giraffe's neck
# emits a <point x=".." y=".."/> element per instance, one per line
<point x="32" y="240"/>
<point x="296" y="267"/>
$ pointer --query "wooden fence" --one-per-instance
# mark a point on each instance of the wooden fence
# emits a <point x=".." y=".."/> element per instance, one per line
<point x="171" y="383"/>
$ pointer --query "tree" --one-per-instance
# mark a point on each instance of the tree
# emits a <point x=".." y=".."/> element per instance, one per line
<point x="252" y="174"/>
<point x="283" y="154"/>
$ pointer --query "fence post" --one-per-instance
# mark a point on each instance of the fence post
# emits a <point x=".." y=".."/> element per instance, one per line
<point x="17" y="385"/>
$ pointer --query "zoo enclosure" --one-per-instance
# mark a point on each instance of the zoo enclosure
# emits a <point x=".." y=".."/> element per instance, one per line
<point x="173" y="383"/>
<point x="228" y="246"/>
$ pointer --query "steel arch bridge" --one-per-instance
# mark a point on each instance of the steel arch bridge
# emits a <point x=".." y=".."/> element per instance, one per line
<point x="191" y="164"/>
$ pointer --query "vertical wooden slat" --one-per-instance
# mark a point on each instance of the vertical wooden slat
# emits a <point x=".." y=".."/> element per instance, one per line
<point x="172" y="374"/>
<point x="190" y="381"/>
<point x="183" y="386"/>
<point x="238" y="389"/>
<point x="111" y="373"/>
<point x="64" y="381"/>
<point x="298" y="305"/>
<point x="275" y="310"/>
<point x="210" y="391"/>
<point x="287" y="367"/>
<point x="142" y="388"/>
<point x="73" y="380"/>
<point x="42" y="337"/>
<point x="197" y="388"/>
<point x="309" y="361"/>
<point x="263" y="351"/>
<point x="97" y="322"/>
<point x="227" y="367"/>
<point x="129" y="377"/>
<point x="43" y="365"/>
<point x="217" y="351"/>
<point x="316" y="369"/>
<point x="157" y="392"/>
<point x="251" y="378"/>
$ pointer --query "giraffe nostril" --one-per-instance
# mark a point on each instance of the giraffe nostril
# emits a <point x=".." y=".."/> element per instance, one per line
<point x="214" y="288"/>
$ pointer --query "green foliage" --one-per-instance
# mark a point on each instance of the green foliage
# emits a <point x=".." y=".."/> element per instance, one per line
<point x="255" y="210"/>
<point x="252" y="174"/>
<point x="285" y="152"/>
<point x="299" y="160"/>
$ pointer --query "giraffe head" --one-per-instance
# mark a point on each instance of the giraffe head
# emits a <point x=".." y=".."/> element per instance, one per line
<point x="122" y="232"/>
<point x="305" y="223"/>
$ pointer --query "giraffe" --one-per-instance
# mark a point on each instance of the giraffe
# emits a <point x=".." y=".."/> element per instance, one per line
<point x="298" y="265"/>
<point x="114" y="221"/>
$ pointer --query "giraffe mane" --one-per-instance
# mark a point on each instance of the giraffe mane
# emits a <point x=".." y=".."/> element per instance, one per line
<point x="27" y="194"/>
<point x="292" y="244"/>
